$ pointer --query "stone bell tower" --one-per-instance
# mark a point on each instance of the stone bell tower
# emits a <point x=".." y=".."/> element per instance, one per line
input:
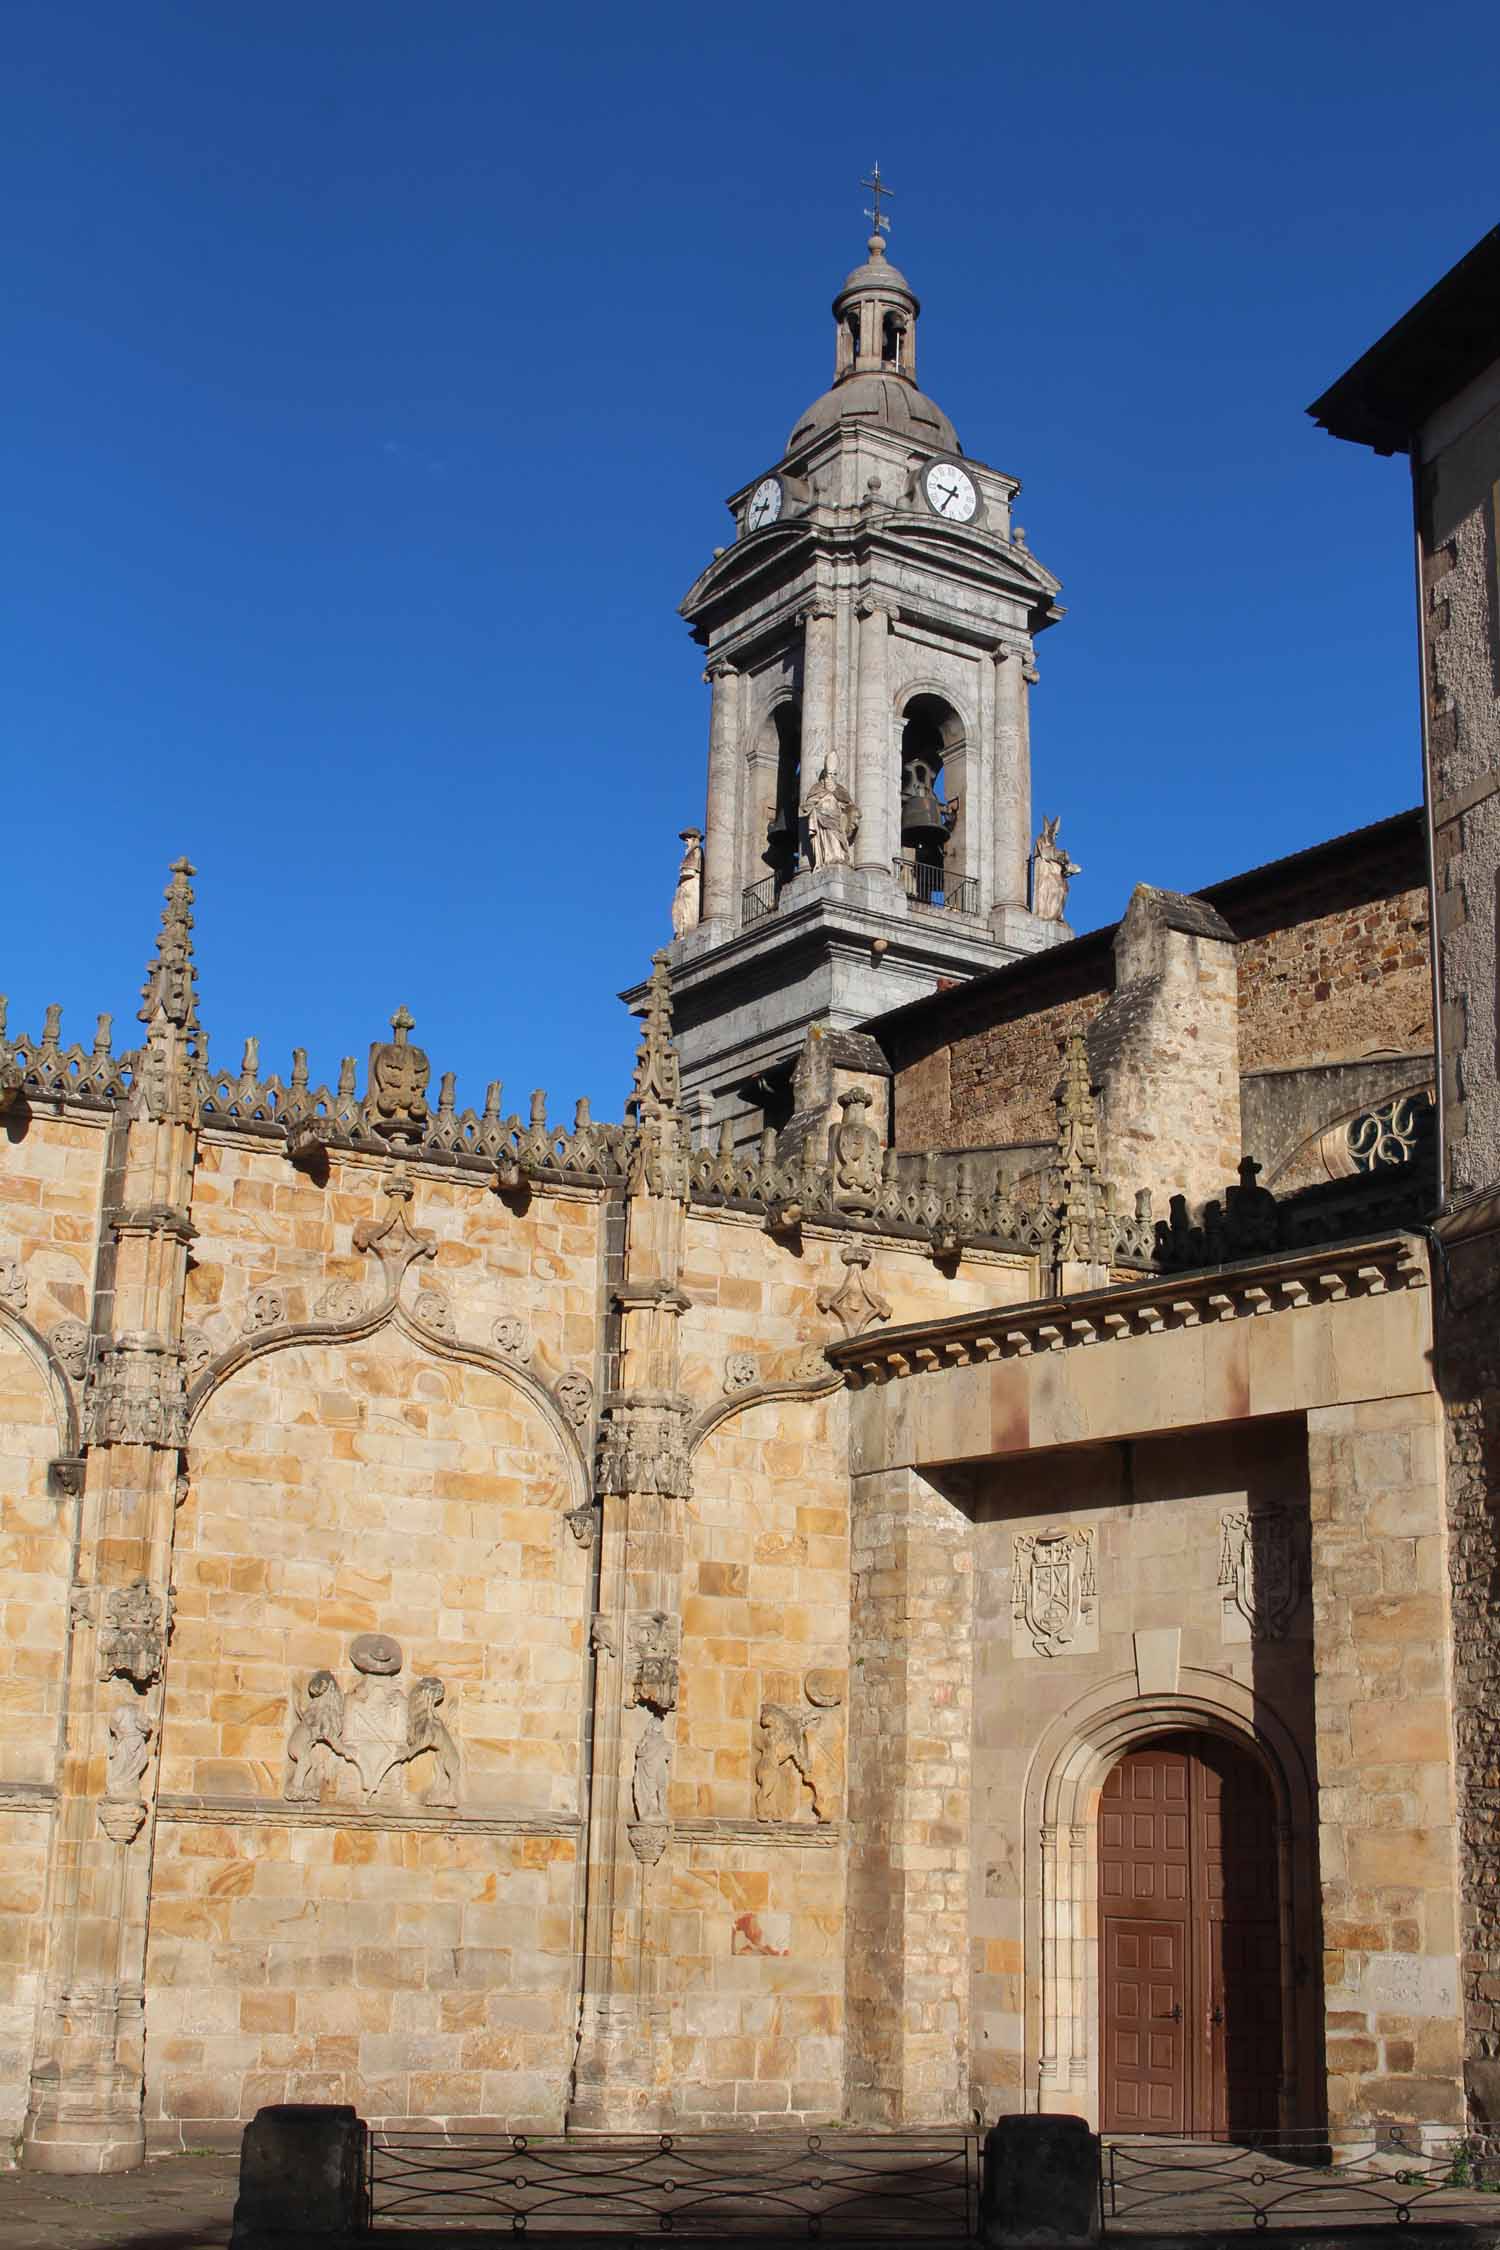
<point x="869" y="639"/>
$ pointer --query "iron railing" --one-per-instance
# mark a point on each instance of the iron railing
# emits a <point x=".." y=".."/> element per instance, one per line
<point x="835" y="2185"/>
<point x="934" y="886"/>
<point x="1391" y="2175"/>
<point x="758" y="900"/>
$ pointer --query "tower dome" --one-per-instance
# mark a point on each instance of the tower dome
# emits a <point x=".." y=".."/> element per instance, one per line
<point x="875" y="360"/>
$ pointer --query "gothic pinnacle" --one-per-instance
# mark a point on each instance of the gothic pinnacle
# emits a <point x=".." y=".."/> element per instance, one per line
<point x="170" y="992"/>
<point x="657" y="1087"/>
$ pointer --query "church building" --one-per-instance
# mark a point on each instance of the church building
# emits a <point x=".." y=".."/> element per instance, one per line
<point x="910" y="1577"/>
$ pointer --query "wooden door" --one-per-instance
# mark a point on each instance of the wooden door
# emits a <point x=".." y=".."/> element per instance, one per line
<point x="1190" y="1957"/>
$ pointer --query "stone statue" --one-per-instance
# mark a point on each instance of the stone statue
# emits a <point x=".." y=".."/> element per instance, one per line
<point x="1051" y="872"/>
<point x="832" y="819"/>
<point x="426" y="1731"/>
<point x="687" y="899"/>
<point x="796" y="1745"/>
<point x="320" y="1719"/>
<point x="653" y="1763"/>
<point x="130" y="1733"/>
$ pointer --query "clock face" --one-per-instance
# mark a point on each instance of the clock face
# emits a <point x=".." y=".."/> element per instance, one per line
<point x="765" y="504"/>
<point x="951" y="492"/>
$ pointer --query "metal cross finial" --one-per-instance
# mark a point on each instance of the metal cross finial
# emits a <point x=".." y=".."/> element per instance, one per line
<point x="878" y="190"/>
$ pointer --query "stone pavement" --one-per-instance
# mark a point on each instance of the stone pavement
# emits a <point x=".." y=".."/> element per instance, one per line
<point x="180" y="2203"/>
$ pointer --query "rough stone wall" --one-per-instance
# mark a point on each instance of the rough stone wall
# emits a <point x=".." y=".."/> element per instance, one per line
<point x="1388" y="1839"/>
<point x="1156" y="1511"/>
<point x="1331" y="987"/>
<point x="992" y="1084"/>
<point x="1165" y="1052"/>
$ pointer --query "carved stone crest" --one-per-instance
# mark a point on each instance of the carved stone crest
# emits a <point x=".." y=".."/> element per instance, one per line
<point x="265" y="1308"/>
<point x="797" y="1750"/>
<point x="1260" y="1568"/>
<point x="133" y="1636"/>
<point x="433" y="1310"/>
<point x="654" y="1641"/>
<point x="1054" y="1606"/>
<point x="375" y="1727"/>
<point x="740" y="1371"/>
<point x="340" y="1301"/>
<point x="575" y="1395"/>
<point x="854" y="1304"/>
<point x="396" y="1106"/>
<point x="857" y="1157"/>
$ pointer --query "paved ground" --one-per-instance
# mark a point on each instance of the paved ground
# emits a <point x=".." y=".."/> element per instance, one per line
<point x="182" y="2203"/>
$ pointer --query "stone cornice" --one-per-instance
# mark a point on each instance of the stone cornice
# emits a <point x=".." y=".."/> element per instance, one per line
<point x="816" y="1835"/>
<point x="1136" y="1308"/>
<point x="28" y="1796"/>
<point x="281" y="1812"/>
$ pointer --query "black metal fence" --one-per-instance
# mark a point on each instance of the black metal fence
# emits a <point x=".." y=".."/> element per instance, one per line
<point x="834" y="2186"/>
<point x="1390" y="2175"/>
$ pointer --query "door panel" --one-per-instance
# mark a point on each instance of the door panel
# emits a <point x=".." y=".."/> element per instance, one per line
<point x="1190" y="1946"/>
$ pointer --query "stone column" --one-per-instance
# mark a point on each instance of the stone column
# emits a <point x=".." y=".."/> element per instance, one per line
<point x="817" y="690"/>
<point x="721" y="824"/>
<point x="1387" y="1819"/>
<point x="1012" y="779"/>
<point x="88" y="2070"/>
<point x="911" y="1649"/>
<point x="622" y="2077"/>
<point x="876" y="783"/>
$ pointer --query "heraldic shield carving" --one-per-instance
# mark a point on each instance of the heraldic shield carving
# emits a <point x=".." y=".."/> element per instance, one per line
<point x="1260" y="1568"/>
<point x="1054" y="1602"/>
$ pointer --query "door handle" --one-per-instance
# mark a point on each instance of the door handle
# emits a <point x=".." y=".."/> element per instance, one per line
<point x="1177" y="2012"/>
<point x="1216" y="2014"/>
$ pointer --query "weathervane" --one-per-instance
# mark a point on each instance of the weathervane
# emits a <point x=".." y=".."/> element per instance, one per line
<point x="878" y="189"/>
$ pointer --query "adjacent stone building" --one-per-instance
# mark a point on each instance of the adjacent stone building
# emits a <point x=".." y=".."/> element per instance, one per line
<point x="1430" y="388"/>
<point x="916" y="1573"/>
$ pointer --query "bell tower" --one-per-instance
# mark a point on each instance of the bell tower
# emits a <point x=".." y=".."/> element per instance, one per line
<point x="869" y="640"/>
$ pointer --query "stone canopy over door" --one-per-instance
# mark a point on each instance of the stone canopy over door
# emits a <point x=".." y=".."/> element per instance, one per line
<point x="1190" y="1951"/>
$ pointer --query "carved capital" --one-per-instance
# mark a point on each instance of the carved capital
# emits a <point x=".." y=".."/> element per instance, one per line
<point x="720" y="669"/>
<point x="135" y="1395"/>
<point x="157" y="1221"/>
<point x="869" y="608"/>
<point x="643" y="1448"/>
<point x="648" y="1840"/>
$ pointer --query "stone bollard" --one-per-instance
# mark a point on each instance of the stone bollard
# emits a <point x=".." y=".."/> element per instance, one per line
<point x="1040" y="2184"/>
<point x="302" y="2178"/>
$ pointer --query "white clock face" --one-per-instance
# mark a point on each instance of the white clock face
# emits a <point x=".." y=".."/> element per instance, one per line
<point x="951" y="492"/>
<point x="765" y="504"/>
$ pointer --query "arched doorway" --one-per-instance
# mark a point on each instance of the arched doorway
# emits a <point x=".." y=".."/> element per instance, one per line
<point x="1190" y="1970"/>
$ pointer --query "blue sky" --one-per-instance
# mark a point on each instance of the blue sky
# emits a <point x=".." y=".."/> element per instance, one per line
<point x="374" y="374"/>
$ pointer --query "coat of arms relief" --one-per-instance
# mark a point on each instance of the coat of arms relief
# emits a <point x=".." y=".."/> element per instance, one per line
<point x="1054" y="1597"/>
<point x="1260" y="1571"/>
<point x="374" y="1726"/>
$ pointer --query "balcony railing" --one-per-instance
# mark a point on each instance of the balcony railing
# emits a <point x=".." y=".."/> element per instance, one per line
<point x="759" y="900"/>
<point x="934" y="886"/>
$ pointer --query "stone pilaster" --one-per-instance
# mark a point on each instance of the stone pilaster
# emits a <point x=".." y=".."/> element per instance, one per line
<point x="622" y="2075"/>
<point x="1011" y="770"/>
<point x="909" y="1804"/>
<point x="1388" y="1827"/>
<point x="817" y="691"/>
<point x="87" y="2085"/>
<point x="876" y="783"/>
<point x="721" y="826"/>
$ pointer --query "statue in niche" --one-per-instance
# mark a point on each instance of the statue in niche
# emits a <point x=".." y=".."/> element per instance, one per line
<point x="130" y="1733"/>
<point x="797" y="1750"/>
<point x="687" y="899"/>
<point x="832" y="819"/>
<point x="375" y="1727"/>
<point x="1051" y="872"/>
<point x="653" y="1766"/>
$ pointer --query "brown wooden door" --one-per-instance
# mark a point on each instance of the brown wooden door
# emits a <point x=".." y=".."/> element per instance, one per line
<point x="1190" y="1957"/>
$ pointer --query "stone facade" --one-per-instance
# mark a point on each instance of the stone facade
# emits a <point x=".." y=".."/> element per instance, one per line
<point x="629" y="1625"/>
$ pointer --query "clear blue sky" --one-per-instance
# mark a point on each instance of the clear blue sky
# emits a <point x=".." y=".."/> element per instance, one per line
<point x="373" y="376"/>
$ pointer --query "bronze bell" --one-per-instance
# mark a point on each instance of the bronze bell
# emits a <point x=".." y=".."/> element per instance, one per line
<point x="924" y="816"/>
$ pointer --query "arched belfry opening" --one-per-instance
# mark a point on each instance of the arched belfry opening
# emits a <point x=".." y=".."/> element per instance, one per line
<point x="931" y="735"/>
<point x="783" y="831"/>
